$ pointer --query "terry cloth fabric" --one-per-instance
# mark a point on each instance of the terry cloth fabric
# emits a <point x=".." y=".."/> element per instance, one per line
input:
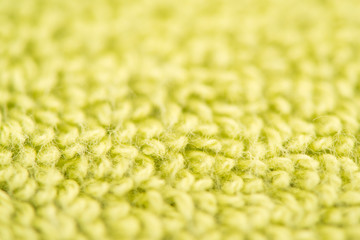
<point x="192" y="119"/>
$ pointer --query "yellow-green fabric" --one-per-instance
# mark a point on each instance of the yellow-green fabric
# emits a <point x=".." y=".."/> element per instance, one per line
<point x="191" y="119"/>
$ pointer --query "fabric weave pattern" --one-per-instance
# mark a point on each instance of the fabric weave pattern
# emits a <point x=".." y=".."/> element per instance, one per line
<point x="154" y="119"/>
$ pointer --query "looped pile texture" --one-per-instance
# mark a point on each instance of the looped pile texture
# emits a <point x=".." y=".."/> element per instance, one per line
<point x="192" y="119"/>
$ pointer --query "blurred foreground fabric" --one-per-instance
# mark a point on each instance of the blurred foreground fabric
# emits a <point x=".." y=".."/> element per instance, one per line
<point x="192" y="119"/>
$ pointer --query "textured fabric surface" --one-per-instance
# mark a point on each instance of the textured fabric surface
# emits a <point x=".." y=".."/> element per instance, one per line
<point x="190" y="119"/>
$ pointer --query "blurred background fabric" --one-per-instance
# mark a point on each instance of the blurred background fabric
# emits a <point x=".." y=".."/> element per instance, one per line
<point x="154" y="119"/>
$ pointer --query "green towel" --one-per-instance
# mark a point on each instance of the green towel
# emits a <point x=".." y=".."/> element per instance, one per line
<point x="192" y="119"/>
